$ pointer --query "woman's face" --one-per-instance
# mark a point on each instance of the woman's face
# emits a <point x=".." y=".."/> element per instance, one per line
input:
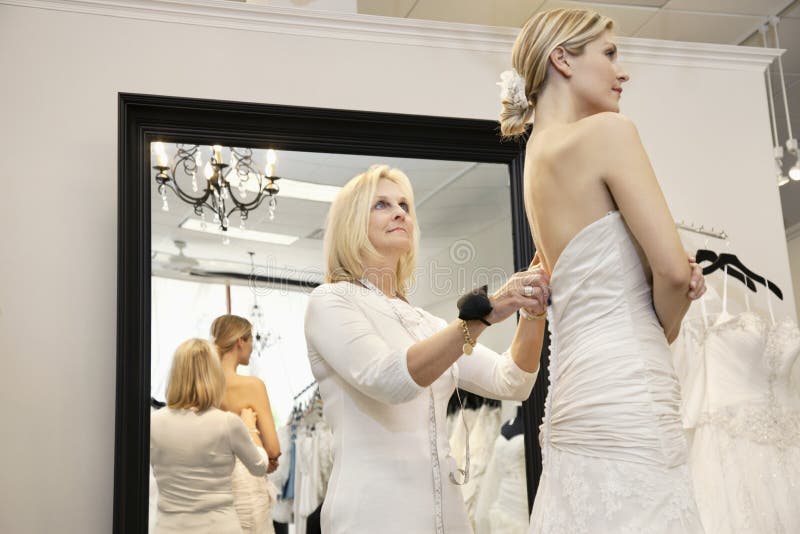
<point x="247" y="349"/>
<point x="597" y="76"/>
<point x="390" y="226"/>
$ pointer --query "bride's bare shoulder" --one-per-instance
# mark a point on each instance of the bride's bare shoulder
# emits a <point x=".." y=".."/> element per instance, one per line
<point x="605" y="126"/>
<point x="598" y="131"/>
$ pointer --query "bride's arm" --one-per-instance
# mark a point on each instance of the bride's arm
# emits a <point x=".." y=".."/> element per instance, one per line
<point x="632" y="182"/>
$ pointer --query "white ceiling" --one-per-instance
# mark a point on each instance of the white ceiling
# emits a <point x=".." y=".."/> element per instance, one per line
<point x="455" y="199"/>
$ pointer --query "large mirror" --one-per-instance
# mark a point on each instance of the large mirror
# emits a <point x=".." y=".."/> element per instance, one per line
<point x="254" y="250"/>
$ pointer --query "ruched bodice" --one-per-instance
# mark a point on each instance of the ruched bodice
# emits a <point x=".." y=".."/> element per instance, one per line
<point x="613" y="391"/>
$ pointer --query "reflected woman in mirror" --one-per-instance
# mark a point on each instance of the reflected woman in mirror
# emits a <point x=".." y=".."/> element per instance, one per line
<point x="253" y="496"/>
<point x="193" y="446"/>
<point x="613" y="448"/>
<point x="387" y="369"/>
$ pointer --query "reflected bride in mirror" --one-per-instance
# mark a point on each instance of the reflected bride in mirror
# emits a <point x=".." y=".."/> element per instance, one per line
<point x="253" y="496"/>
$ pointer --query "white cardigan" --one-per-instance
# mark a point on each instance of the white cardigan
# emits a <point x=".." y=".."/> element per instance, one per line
<point x="384" y="475"/>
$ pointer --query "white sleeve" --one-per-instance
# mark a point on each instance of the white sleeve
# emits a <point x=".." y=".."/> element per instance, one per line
<point x="343" y="336"/>
<point x="494" y="375"/>
<point x="254" y="458"/>
<point x="489" y="374"/>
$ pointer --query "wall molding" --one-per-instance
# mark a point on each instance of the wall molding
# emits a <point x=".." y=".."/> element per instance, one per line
<point x="387" y="30"/>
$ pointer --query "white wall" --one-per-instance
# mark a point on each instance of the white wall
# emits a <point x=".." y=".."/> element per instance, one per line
<point x="793" y="246"/>
<point x="705" y="127"/>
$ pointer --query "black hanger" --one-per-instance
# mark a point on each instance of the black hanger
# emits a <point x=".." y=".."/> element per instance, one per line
<point x="731" y="260"/>
<point x="711" y="256"/>
<point x="515" y="427"/>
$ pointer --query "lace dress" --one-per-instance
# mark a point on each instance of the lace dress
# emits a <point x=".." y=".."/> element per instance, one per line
<point x="745" y="450"/>
<point x="613" y="449"/>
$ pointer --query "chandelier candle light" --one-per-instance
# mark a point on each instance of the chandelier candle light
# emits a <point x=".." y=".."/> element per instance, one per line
<point x="218" y="195"/>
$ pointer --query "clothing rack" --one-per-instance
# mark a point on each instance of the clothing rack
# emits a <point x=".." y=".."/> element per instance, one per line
<point x="722" y="234"/>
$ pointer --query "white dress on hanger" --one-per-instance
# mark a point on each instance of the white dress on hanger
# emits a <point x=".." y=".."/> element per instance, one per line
<point x="613" y="448"/>
<point x="502" y="504"/>
<point x="745" y="449"/>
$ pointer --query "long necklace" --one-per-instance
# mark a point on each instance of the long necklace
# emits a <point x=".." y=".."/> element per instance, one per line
<point x="432" y="431"/>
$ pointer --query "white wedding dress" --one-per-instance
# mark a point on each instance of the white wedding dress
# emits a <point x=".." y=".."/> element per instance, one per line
<point x="613" y="449"/>
<point x="745" y="450"/>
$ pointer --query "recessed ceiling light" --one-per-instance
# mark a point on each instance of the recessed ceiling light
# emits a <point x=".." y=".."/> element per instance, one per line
<point x="238" y="233"/>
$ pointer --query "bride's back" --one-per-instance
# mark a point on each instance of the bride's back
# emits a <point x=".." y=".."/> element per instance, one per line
<point x="564" y="188"/>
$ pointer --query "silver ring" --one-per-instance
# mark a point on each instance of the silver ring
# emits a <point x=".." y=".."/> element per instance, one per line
<point x="527" y="291"/>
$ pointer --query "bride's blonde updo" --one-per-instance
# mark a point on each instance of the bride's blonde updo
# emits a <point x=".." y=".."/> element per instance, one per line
<point x="544" y="32"/>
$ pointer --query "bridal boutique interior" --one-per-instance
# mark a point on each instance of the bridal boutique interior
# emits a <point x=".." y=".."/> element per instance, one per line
<point x="701" y="108"/>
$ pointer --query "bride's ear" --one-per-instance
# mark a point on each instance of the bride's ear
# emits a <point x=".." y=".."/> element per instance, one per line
<point x="559" y="59"/>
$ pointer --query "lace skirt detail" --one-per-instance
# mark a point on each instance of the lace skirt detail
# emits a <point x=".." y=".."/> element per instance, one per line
<point x="253" y="498"/>
<point x="580" y="494"/>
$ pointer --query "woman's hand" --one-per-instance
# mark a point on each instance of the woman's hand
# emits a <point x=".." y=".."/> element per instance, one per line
<point x="272" y="465"/>
<point x="529" y="289"/>
<point x="697" y="285"/>
<point x="249" y="418"/>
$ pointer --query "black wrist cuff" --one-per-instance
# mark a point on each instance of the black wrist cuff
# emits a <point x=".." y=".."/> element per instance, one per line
<point x="475" y="305"/>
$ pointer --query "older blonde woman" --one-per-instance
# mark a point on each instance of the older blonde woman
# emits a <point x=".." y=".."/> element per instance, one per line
<point x="193" y="446"/>
<point x="386" y="369"/>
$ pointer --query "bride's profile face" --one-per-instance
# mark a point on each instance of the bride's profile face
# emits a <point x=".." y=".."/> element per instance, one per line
<point x="597" y="75"/>
<point x="247" y="349"/>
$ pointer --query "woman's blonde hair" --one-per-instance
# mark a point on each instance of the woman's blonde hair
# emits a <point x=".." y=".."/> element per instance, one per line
<point x="196" y="379"/>
<point x="347" y="245"/>
<point x="572" y="29"/>
<point x="226" y="330"/>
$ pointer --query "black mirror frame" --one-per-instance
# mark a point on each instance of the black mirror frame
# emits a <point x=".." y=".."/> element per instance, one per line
<point x="147" y="118"/>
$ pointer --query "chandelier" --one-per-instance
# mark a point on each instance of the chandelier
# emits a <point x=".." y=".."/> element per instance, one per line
<point x="228" y="186"/>
<point x="261" y="342"/>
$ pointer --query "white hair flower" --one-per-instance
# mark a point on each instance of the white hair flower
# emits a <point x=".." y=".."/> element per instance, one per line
<point x="512" y="88"/>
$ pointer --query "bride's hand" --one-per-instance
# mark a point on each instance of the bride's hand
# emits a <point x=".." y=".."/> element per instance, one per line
<point x="528" y="289"/>
<point x="697" y="285"/>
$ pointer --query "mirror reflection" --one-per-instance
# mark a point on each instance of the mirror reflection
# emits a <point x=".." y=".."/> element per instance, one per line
<point x="314" y="405"/>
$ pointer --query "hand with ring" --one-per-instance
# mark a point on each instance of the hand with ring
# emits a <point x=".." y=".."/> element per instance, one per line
<point x="528" y="289"/>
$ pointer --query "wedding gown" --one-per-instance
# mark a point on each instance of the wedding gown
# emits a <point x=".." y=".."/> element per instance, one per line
<point x="745" y="450"/>
<point x="613" y="449"/>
